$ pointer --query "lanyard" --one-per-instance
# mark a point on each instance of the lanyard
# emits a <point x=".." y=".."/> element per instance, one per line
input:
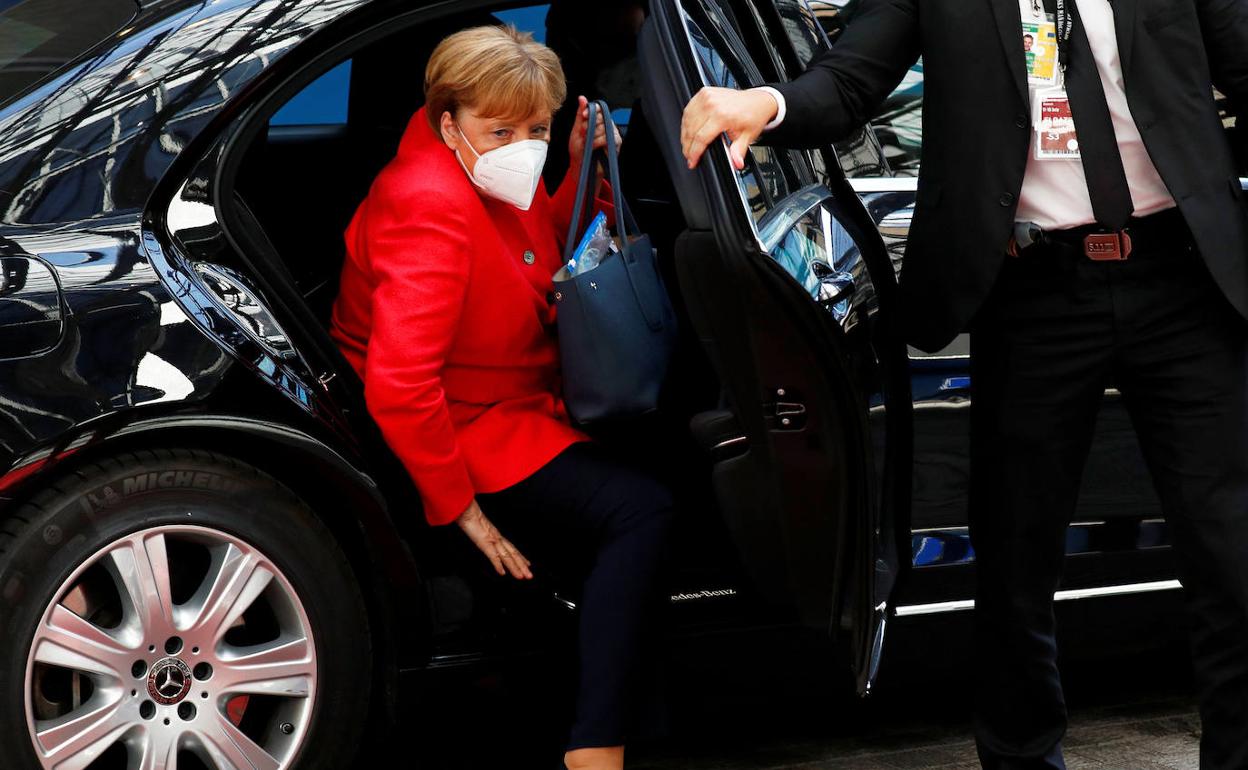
<point x="1065" y="23"/>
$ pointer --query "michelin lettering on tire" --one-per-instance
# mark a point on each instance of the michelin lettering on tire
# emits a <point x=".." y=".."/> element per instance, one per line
<point x="110" y="495"/>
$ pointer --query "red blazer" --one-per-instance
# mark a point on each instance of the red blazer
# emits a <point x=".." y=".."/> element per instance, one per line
<point x="446" y="310"/>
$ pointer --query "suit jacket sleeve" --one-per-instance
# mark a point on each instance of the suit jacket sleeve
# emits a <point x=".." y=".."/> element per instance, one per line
<point x="1224" y="26"/>
<point x="846" y="85"/>
<point x="420" y="260"/>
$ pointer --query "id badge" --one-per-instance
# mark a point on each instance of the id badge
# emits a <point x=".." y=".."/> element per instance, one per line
<point x="1055" y="126"/>
<point x="1039" y="42"/>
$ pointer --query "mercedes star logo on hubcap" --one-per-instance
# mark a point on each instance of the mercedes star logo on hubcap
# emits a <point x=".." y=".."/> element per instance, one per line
<point x="169" y="681"/>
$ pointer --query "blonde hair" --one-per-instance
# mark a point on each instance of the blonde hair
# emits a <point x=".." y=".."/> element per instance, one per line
<point x="499" y="72"/>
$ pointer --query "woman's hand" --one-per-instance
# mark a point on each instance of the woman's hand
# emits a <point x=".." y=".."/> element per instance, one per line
<point x="576" y="142"/>
<point x="484" y="535"/>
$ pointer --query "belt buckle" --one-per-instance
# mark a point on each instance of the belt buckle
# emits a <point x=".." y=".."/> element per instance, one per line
<point x="1107" y="247"/>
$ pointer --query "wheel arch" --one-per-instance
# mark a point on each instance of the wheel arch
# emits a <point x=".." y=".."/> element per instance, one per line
<point x="340" y="493"/>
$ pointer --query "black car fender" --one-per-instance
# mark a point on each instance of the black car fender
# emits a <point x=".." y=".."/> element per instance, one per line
<point x="344" y="494"/>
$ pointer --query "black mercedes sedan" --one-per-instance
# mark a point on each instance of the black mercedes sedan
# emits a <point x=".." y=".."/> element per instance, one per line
<point x="208" y="556"/>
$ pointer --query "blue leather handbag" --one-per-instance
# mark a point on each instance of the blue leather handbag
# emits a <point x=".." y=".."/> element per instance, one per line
<point x="616" y="326"/>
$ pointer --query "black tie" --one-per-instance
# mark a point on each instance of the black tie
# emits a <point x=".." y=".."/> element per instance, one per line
<point x="1102" y="164"/>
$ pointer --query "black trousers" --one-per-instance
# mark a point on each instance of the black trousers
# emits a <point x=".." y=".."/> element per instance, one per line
<point x="1057" y="329"/>
<point x="600" y="520"/>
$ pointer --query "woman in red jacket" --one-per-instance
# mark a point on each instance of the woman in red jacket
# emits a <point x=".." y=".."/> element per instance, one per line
<point x="446" y="310"/>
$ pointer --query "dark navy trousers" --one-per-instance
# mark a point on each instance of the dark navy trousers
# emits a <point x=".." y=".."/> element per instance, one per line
<point x="601" y="521"/>
<point x="1058" y="329"/>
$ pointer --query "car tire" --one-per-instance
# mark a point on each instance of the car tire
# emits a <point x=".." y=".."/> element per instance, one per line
<point x="263" y="633"/>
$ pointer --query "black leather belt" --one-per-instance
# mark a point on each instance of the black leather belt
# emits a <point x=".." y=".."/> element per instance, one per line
<point x="1104" y="245"/>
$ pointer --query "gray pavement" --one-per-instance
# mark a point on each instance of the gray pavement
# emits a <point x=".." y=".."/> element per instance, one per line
<point x="1139" y="736"/>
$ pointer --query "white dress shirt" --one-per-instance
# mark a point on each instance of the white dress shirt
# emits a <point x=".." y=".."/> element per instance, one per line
<point x="1055" y="192"/>
<point x="781" y="106"/>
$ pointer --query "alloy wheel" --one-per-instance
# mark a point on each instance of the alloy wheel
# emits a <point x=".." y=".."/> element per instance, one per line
<point x="175" y="646"/>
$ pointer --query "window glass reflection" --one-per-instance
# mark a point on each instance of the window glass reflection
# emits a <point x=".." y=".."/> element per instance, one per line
<point x="769" y="175"/>
<point x="897" y="124"/>
<point x="816" y="250"/>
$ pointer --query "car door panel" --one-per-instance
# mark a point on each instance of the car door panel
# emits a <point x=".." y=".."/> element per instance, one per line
<point x="774" y="269"/>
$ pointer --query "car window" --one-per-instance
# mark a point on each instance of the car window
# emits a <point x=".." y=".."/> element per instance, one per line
<point x="770" y="174"/>
<point x="324" y="101"/>
<point x="39" y="37"/>
<point x="798" y="222"/>
<point x="531" y="19"/>
<point x="321" y="103"/>
<point x="898" y="124"/>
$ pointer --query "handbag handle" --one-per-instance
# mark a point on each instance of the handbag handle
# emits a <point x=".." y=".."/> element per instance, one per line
<point x="584" y="192"/>
<point x="624" y="217"/>
<point x="625" y="222"/>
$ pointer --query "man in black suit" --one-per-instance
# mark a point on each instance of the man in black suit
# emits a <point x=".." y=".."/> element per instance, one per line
<point x="1082" y="217"/>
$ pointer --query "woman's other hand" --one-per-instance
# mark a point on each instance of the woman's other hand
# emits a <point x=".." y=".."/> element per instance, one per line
<point x="576" y="142"/>
<point x="498" y="549"/>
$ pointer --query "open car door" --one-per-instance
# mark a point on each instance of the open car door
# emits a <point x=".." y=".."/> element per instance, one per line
<point x="791" y="293"/>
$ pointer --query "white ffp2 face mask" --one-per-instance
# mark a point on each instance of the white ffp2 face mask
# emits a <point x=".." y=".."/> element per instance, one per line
<point x="509" y="173"/>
